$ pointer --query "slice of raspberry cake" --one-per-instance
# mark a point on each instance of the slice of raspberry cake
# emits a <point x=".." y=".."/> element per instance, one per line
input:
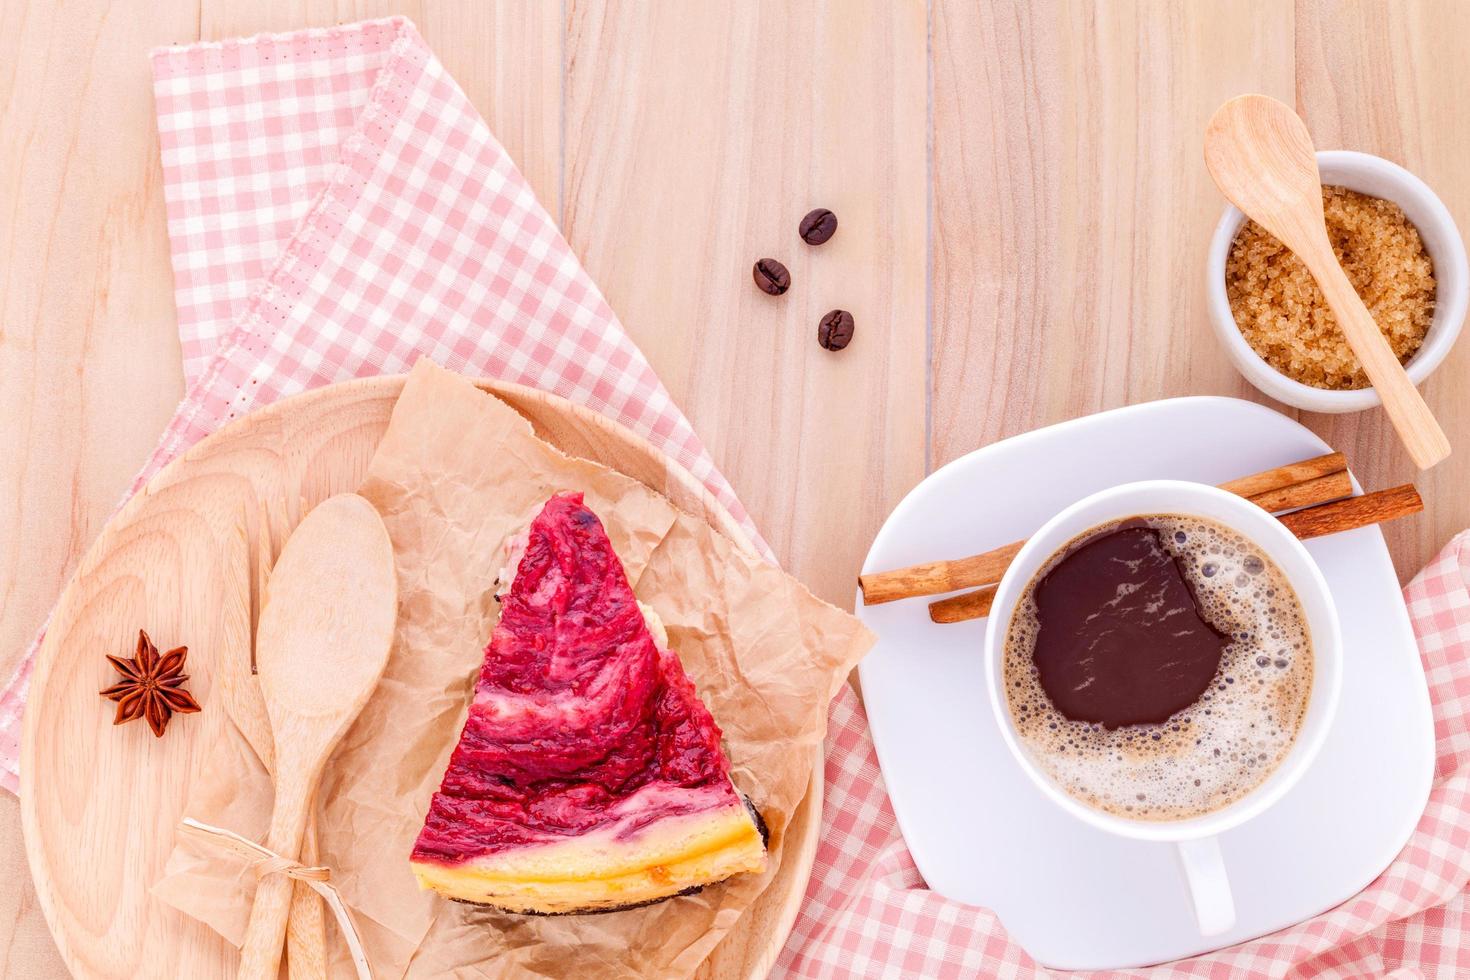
<point x="589" y="775"/>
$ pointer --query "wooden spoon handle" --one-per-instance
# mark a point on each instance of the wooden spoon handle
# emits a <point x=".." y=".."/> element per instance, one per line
<point x="1416" y="425"/>
<point x="306" y="937"/>
<point x="260" y="957"/>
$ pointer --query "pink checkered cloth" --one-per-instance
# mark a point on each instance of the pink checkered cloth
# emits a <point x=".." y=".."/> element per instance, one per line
<point x="337" y="209"/>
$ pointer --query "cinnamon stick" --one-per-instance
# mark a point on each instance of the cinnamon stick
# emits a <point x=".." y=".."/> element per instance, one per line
<point x="1354" y="512"/>
<point x="974" y="604"/>
<point x="938" y="576"/>
<point x="1308" y="493"/>
<point x="1314" y="522"/>
<point x="1285" y="476"/>
<point x="1299" y="484"/>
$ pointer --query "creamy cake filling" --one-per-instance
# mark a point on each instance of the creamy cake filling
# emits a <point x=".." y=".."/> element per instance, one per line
<point x="584" y="738"/>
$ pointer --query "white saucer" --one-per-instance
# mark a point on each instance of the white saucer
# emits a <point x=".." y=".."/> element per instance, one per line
<point x="981" y="833"/>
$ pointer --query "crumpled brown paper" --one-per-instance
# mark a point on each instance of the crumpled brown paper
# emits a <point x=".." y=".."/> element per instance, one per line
<point x="458" y="472"/>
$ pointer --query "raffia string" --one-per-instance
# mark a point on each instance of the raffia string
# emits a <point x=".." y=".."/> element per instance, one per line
<point x="263" y="861"/>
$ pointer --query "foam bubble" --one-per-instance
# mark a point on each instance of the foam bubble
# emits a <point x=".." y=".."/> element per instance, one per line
<point x="1218" y="749"/>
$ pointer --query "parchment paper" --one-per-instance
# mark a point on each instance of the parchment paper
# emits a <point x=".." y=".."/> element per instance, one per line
<point x="456" y="474"/>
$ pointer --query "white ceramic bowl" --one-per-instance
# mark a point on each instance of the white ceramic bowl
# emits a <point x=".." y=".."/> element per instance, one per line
<point x="1378" y="177"/>
<point x="1195" y="837"/>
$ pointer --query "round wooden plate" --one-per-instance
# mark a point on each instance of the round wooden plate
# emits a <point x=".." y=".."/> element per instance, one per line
<point x="99" y="805"/>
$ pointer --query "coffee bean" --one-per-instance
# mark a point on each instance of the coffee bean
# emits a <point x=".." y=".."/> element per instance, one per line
<point x="771" y="276"/>
<point x="818" y="226"/>
<point x="835" y="330"/>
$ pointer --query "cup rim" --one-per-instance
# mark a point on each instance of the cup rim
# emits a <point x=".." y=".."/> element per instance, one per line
<point x="1326" y="649"/>
<point x="1441" y="239"/>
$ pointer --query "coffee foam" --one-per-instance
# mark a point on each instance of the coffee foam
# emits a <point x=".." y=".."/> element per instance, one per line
<point x="1217" y="750"/>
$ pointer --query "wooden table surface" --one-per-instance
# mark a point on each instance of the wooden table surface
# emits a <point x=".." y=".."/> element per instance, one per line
<point x="1024" y="217"/>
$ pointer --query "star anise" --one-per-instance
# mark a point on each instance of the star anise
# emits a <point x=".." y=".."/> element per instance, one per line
<point x="152" y="686"/>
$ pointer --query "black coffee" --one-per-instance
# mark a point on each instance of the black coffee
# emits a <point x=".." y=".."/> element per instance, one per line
<point x="1119" y="635"/>
<point x="1130" y="724"/>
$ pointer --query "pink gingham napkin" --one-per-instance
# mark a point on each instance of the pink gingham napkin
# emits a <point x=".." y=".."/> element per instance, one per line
<point x="337" y="208"/>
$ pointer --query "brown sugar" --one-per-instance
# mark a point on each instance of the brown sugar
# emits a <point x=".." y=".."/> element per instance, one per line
<point x="1280" y="310"/>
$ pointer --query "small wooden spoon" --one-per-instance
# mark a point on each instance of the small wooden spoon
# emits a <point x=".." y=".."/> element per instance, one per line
<point x="1261" y="157"/>
<point x="321" y="645"/>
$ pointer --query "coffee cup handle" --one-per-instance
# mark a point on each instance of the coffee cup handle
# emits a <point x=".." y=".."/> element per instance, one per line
<point x="1209" y="885"/>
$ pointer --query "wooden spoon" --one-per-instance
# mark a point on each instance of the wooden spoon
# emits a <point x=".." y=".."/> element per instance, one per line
<point x="306" y="937"/>
<point x="1261" y="157"/>
<point x="321" y="645"/>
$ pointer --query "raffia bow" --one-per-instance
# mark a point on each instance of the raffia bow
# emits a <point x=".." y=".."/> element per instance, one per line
<point x="263" y="861"/>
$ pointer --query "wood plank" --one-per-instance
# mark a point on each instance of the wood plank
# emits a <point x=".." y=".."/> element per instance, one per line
<point x="26" y="947"/>
<point x="89" y="357"/>
<point x="1388" y="79"/>
<point x="91" y="367"/>
<point x="1071" y="207"/>
<point x="697" y="137"/>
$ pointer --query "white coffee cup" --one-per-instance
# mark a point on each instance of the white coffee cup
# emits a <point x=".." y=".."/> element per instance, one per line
<point x="1195" y="838"/>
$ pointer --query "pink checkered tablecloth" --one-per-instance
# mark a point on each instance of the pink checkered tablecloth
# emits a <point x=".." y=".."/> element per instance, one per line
<point x="337" y="208"/>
